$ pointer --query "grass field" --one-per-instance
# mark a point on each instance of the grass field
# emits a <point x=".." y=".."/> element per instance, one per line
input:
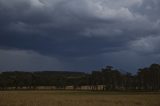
<point x="77" y="98"/>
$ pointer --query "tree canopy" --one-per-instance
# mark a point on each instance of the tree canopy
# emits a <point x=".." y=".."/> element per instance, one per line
<point x="108" y="78"/>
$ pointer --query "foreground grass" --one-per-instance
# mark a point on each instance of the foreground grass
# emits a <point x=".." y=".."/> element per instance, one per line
<point x="77" y="98"/>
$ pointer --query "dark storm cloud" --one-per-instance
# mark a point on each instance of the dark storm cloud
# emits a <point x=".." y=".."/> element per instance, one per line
<point x="53" y="30"/>
<point x="80" y="28"/>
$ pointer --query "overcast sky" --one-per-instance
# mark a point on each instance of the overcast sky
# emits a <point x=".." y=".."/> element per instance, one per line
<point x="79" y="35"/>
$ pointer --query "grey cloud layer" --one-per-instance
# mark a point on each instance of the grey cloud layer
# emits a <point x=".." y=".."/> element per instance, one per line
<point x="80" y="27"/>
<point x="74" y="24"/>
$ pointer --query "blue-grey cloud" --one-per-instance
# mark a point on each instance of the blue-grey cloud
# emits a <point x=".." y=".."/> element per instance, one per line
<point x="73" y="30"/>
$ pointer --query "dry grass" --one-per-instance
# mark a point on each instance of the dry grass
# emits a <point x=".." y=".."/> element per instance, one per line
<point x="73" y="98"/>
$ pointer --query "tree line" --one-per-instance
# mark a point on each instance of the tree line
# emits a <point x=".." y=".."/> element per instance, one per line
<point x="106" y="79"/>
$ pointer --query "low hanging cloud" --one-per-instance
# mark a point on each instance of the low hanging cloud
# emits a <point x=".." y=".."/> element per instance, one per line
<point x="80" y="28"/>
<point x="27" y="61"/>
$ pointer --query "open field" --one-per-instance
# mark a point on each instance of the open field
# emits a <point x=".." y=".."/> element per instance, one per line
<point x="77" y="98"/>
